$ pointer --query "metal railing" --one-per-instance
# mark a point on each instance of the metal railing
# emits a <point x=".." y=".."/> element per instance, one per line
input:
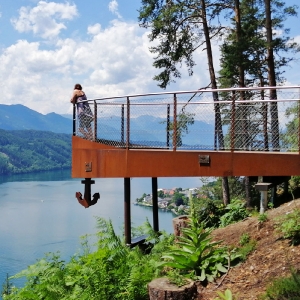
<point x="237" y="119"/>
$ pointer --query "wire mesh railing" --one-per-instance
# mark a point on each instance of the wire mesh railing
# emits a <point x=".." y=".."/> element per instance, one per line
<point x="239" y="119"/>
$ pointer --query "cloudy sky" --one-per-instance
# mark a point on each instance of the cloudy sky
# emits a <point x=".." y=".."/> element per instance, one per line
<point x="48" y="46"/>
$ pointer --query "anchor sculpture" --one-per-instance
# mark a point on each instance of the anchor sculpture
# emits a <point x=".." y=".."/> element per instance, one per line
<point x="87" y="200"/>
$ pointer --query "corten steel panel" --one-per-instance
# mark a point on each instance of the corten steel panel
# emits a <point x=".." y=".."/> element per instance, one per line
<point x="110" y="162"/>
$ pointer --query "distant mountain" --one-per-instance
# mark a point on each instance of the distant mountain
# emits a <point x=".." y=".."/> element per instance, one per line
<point x="150" y="130"/>
<point x="144" y="129"/>
<point x="20" y="117"/>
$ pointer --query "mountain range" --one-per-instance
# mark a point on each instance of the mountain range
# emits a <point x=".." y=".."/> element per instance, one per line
<point x="145" y="129"/>
<point x="20" y="117"/>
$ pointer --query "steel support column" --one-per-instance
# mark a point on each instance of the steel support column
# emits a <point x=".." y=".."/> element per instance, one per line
<point x="155" y="204"/>
<point x="127" y="213"/>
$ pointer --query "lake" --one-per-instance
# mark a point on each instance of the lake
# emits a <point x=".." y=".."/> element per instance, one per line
<point x="39" y="214"/>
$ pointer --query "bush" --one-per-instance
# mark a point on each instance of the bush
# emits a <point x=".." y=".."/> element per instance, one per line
<point x="236" y="211"/>
<point x="210" y="212"/>
<point x="289" y="226"/>
<point x="284" y="288"/>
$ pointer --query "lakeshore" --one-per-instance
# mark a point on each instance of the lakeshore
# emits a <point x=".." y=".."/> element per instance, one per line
<point x="174" y="200"/>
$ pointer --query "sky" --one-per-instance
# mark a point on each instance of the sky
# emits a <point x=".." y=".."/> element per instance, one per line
<point x="48" y="46"/>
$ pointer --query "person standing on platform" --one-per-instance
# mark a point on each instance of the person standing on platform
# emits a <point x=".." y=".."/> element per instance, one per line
<point x="84" y="112"/>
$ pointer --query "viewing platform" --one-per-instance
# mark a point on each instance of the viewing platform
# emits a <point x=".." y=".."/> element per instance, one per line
<point x="225" y="132"/>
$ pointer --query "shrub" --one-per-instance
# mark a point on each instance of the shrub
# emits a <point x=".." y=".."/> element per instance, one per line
<point x="287" y="288"/>
<point x="226" y="296"/>
<point x="236" y="211"/>
<point x="209" y="212"/>
<point x="262" y="217"/>
<point x="245" y="238"/>
<point x="289" y="226"/>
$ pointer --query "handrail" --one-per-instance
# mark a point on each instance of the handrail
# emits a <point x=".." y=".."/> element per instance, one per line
<point x="197" y="91"/>
<point x="239" y="124"/>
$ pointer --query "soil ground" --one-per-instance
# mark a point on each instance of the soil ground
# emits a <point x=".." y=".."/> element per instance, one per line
<point x="273" y="256"/>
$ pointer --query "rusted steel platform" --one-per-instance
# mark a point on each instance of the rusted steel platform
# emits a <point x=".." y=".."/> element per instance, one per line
<point x="96" y="160"/>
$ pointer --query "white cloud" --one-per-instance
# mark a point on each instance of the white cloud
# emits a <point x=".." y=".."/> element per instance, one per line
<point x="94" y="29"/>
<point x="113" y="7"/>
<point x="44" y="20"/>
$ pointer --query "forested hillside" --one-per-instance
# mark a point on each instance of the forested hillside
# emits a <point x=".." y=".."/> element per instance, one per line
<point x="31" y="150"/>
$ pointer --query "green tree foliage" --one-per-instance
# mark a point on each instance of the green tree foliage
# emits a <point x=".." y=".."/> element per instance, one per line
<point x="24" y="151"/>
<point x="179" y="128"/>
<point x="253" y="44"/>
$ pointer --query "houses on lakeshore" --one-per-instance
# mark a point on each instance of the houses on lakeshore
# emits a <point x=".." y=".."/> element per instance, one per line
<point x="168" y="199"/>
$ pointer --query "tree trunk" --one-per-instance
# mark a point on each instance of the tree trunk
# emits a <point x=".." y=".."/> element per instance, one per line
<point x="218" y="121"/>
<point x="272" y="78"/>
<point x="247" y="191"/>
<point x="162" y="289"/>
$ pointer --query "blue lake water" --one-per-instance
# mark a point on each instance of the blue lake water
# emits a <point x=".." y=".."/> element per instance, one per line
<point x="39" y="214"/>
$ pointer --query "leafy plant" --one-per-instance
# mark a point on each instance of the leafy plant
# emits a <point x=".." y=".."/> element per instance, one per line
<point x="209" y="211"/>
<point x="287" y="288"/>
<point x="246" y="249"/>
<point x="245" y="238"/>
<point x="236" y="211"/>
<point x="226" y="296"/>
<point x="289" y="226"/>
<point x="176" y="278"/>
<point x="262" y="217"/>
<point x="196" y="253"/>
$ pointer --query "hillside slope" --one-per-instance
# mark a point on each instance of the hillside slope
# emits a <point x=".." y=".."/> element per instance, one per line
<point x="272" y="258"/>
<point x="32" y="150"/>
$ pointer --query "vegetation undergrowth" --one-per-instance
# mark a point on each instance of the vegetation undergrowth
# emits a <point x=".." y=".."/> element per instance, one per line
<point x="236" y="211"/>
<point x="286" y="288"/>
<point x="195" y="255"/>
<point x="226" y="296"/>
<point x="247" y="245"/>
<point x="289" y="226"/>
<point x="113" y="271"/>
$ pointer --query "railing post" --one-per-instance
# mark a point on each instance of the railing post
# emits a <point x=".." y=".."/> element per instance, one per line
<point x="128" y="124"/>
<point x="265" y="121"/>
<point x="232" y="134"/>
<point x="74" y="119"/>
<point x="95" y="120"/>
<point x="175" y="124"/>
<point x="122" y="124"/>
<point x="168" y="125"/>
